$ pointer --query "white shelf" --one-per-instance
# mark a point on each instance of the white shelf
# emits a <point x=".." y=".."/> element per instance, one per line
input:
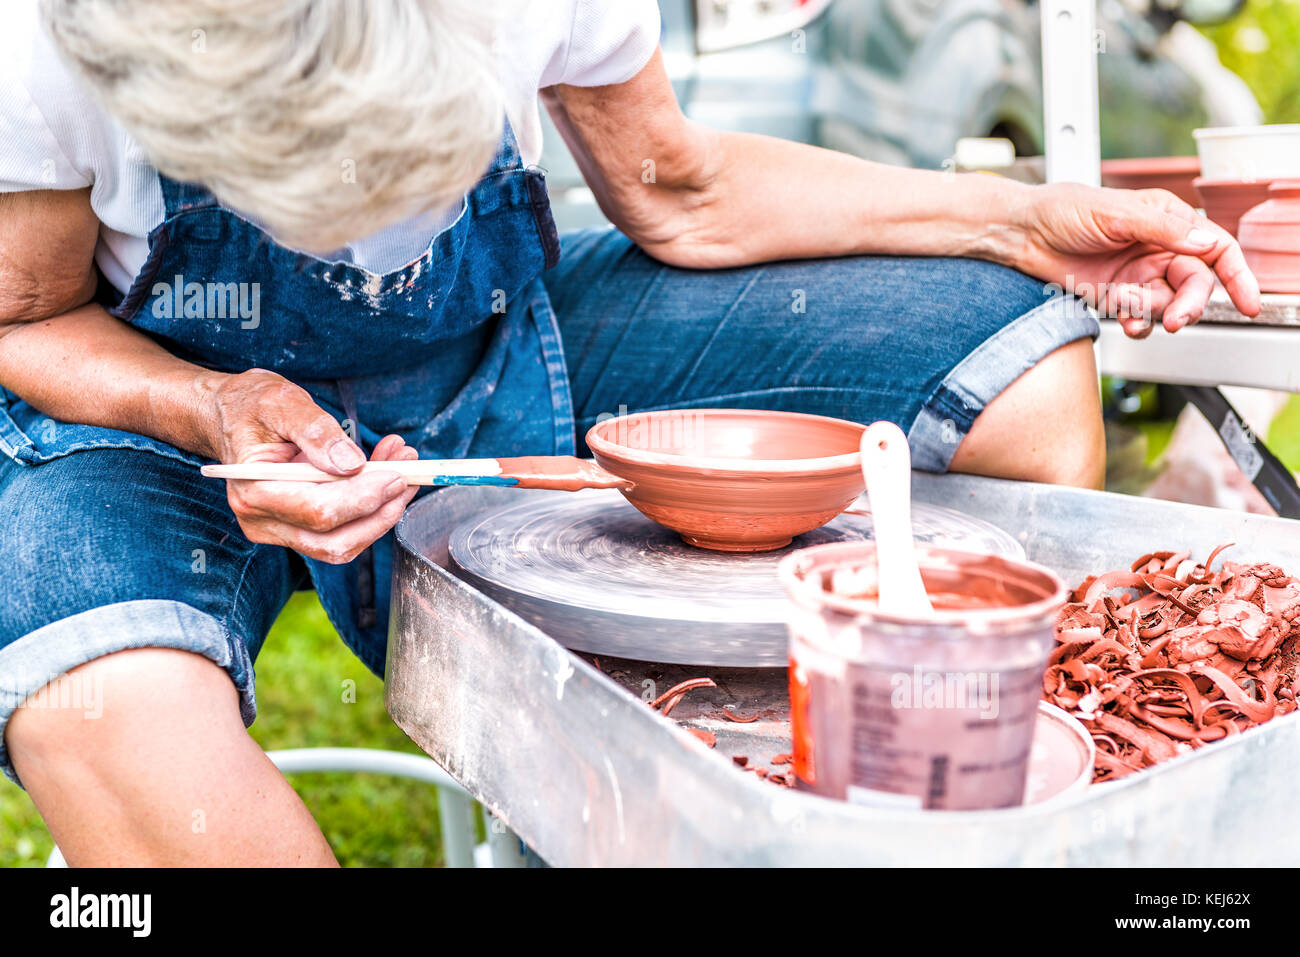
<point x="1243" y="354"/>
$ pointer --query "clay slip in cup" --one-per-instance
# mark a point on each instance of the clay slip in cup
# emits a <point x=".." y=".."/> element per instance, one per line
<point x="733" y="479"/>
<point x="934" y="712"/>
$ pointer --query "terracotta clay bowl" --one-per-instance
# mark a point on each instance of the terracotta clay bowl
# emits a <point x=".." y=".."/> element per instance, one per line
<point x="1270" y="238"/>
<point x="1174" y="173"/>
<point x="1226" y="201"/>
<point x="733" y="480"/>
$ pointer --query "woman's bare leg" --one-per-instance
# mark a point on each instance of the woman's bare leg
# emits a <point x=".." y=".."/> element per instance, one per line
<point x="1045" y="427"/>
<point x="165" y="775"/>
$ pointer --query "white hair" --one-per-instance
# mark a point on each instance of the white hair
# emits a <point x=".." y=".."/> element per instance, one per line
<point x="324" y="120"/>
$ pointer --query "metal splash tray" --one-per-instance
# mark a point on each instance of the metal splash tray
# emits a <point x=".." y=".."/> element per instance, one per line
<point x="573" y="760"/>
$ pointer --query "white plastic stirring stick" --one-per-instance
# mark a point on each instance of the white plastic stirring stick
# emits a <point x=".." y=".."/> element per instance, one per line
<point x="537" y="471"/>
<point x="887" y="467"/>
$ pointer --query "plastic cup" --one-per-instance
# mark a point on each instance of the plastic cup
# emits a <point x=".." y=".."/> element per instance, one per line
<point x="936" y="712"/>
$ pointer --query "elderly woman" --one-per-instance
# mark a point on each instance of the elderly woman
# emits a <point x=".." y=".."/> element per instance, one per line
<point x="313" y="229"/>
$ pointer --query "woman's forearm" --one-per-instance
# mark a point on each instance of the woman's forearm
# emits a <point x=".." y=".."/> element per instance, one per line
<point x="700" y="198"/>
<point x="87" y="367"/>
<point x="771" y="199"/>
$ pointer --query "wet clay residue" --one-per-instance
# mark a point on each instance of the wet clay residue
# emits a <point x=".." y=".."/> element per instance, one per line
<point x="560" y="472"/>
<point x="774" y="775"/>
<point x="1172" y="655"/>
<point x="860" y="583"/>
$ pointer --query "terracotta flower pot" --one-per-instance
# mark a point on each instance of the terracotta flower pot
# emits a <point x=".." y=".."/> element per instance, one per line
<point x="1174" y="173"/>
<point x="1226" y="201"/>
<point x="1270" y="238"/>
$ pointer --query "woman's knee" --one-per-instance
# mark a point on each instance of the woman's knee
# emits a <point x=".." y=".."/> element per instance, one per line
<point x="96" y="712"/>
<point x="1045" y="427"/>
<point x="126" y="783"/>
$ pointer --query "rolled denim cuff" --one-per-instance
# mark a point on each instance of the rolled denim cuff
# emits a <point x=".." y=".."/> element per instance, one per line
<point x="951" y="410"/>
<point x="29" y="664"/>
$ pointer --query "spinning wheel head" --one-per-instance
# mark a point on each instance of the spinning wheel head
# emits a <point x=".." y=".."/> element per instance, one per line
<point x="597" y="576"/>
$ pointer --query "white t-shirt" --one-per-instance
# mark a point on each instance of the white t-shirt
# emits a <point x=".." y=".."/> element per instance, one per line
<point x="53" y="135"/>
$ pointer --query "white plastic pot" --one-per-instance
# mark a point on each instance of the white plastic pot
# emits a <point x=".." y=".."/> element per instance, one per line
<point x="1249" y="153"/>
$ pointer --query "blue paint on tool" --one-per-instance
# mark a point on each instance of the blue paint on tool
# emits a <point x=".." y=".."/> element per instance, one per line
<point x="475" y="480"/>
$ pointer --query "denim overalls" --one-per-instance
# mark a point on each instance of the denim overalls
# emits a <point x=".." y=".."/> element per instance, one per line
<point x="458" y="352"/>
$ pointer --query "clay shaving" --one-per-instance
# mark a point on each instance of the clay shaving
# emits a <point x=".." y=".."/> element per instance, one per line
<point x="1170" y="655"/>
<point x="669" y="700"/>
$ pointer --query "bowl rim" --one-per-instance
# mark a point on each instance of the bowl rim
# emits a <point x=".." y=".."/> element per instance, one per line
<point x="1150" y="165"/>
<point x="1263" y="182"/>
<point x="829" y="463"/>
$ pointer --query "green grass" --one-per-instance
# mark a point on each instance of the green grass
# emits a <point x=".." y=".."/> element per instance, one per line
<point x="1284" y="434"/>
<point x="24" y="842"/>
<point x="1158" y="433"/>
<point x="1259" y="46"/>
<point x="311" y="693"/>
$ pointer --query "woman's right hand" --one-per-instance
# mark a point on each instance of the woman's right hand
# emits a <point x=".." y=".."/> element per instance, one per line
<point x="1136" y="254"/>
<point x="260" y="416"/>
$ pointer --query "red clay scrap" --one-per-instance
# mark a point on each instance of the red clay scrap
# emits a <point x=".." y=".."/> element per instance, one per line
<point x="737" y="718"/>
<point x="708" y="737"/>
<point x="1170" y="655"/>
<point x="675" y="694"/>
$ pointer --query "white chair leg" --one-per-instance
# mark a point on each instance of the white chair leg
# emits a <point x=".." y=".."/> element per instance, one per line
<point x="456" y="809"/>
<point x="455" y="806"/>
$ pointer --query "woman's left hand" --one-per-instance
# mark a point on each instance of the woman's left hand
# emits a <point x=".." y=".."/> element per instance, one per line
<point x="1137" y="255"/>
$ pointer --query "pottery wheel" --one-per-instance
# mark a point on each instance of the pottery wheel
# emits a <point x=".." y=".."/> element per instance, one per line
<point x="596" y="575"/>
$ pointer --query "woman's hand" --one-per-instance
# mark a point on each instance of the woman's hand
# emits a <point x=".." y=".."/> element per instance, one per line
<point x="1137" y="255"/>
<point x="260" y="416"/>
